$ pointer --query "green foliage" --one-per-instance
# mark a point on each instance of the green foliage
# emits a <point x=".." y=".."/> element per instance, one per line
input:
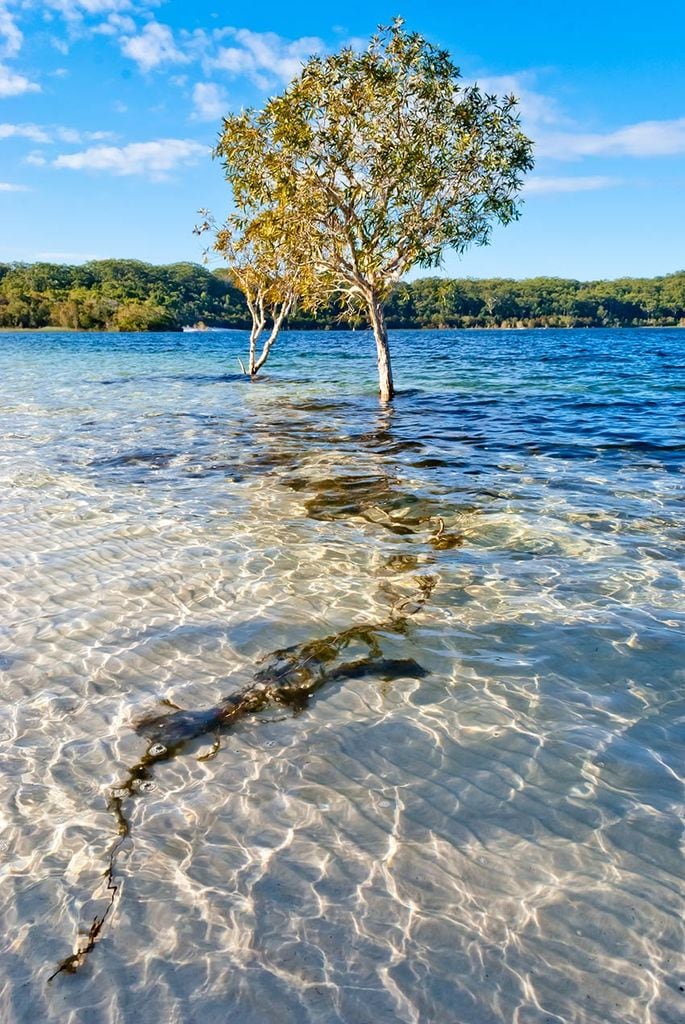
<point x="128" y="295"/>
<point x="118" y="295"/>
<point x="384" y="155"/>
<point x="386" y="160"/>
<point x="539" y="302"/>
<point x="142" y="316"/>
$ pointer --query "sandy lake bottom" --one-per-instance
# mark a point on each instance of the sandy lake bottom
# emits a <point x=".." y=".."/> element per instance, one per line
<point x="494" y="838"/>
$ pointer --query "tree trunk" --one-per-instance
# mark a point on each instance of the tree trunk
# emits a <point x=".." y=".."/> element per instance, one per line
<point x="254" y="333"/>
<point x="255" y="303"/>
<point x="380" y="333"/>
<point x="279" y="316"/>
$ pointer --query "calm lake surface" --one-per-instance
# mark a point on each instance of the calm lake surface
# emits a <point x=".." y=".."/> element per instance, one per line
<point x="497" y="839"/>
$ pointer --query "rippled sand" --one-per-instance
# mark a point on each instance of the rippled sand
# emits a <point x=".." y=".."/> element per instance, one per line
<point x="497" y="841"/>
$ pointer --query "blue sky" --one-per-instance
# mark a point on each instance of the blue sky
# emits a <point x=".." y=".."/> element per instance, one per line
<point x="108" y="110"/>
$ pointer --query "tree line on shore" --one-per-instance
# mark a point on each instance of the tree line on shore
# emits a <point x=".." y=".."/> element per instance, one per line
<point x="128" y="295"/>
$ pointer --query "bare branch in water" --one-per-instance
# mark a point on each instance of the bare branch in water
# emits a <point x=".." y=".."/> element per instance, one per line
<point x="289" y="677"/>
<point x="71" y="964"/>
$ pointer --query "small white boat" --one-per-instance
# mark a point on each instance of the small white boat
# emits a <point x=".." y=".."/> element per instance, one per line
<point x="204" y="330"/>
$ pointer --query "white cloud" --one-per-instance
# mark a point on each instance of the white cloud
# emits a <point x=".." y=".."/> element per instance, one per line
<point x="15" y="85"/>
<point x="542" y="185"/>
<point x="74" y="136"/>
<point x="550" y="128"/>
<point x="74" y="9"/>
<point x="647" y="138"/>
<point x="264" y="56"/>
<point x="35" y="160"/>
<point x="69" y="135"/>
<point x="210" y="101"/>
<point x="55" y="133"/>
<point x="11" y="37"/>
<point x="535" y="107"/>
<point x="234" y="60"/>
<point x="61" y="45"/>
<point x="153" y="159"/>
<point x="6" y="186"/>
<point x="154" y="46"/>
<point x="116" y="24"/>
<point x="34" y="132"/>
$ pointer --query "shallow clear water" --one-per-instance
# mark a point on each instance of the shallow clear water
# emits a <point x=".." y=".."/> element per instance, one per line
<point x="499" y="840"/>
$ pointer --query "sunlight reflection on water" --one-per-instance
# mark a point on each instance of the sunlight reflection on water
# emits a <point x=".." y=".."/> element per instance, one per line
<point x="499" y="840"/>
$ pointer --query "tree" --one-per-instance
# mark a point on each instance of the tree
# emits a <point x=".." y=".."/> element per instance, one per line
<point x="133" y="315"/>
<point x="387" y="159"/>
<point x="263" y="261"/>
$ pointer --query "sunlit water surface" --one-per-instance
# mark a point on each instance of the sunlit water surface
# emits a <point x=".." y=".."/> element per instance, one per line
<point x="497" y="841"/>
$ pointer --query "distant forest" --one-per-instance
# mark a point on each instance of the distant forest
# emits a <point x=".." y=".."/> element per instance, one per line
<point x="127" y="295"/>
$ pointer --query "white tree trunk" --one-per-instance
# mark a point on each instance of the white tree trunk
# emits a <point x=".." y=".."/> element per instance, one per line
<point x="255" y="303"/>
<point x="380" y="333"/>
<point x="279" y="316"/>
<point x="254" y="334"/>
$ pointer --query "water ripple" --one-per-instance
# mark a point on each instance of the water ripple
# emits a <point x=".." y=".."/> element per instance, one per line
<point x="497" y="840"/>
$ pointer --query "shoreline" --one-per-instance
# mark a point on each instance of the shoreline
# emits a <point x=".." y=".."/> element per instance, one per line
<point x="358" y="330"/>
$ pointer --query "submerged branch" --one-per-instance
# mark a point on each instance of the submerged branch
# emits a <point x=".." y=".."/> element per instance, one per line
<point x="71" y="964"/>
<point x="289" y="677"/>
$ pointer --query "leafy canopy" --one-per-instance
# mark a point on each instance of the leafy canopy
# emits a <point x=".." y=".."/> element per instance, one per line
<point x="385" y="157"/>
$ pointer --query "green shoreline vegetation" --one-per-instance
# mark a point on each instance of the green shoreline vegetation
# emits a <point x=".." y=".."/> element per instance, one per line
<point x="129" y="295"/>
